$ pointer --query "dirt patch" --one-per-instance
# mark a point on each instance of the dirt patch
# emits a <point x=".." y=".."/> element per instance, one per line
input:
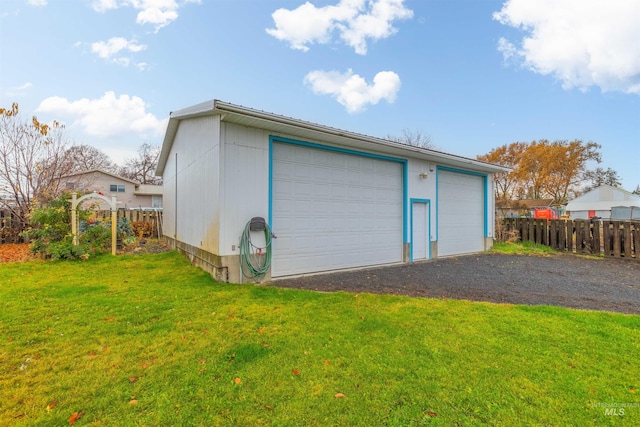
<point x="558" y="280"/>
<point x="145" y="246"/>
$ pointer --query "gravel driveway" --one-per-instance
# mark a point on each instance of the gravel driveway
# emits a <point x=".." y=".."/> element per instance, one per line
<point x="560" y="280"/>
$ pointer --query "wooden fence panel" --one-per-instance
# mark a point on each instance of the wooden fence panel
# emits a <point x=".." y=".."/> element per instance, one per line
<point x="147" y="222"/>
<point x="10" y="228"/>
<point x="619" y="239"/>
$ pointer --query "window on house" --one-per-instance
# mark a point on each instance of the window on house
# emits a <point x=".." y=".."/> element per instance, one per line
<point x="116" y="188"/>
<point x="71" y="185"/>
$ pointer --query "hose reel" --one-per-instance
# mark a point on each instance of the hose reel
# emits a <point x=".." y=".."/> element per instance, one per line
<point x="255" y="260"/>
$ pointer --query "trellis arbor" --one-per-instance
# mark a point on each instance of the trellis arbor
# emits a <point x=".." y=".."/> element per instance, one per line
<point x="76" y="202"/>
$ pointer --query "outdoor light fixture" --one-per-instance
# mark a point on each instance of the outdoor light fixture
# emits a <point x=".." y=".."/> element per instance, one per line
<point x="424" y="175"/>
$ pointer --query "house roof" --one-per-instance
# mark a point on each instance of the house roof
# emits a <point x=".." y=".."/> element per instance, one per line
<point x="148" y="190"/>
<point x="603" y="198"/>
<point x="92" y="171"/>
<point x="249" y="117"/>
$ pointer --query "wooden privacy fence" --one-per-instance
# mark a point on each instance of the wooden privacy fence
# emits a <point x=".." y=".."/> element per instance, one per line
<point x="145" y="223"/>
<point x="619" y="239"/>
<point x="10" y="228"/>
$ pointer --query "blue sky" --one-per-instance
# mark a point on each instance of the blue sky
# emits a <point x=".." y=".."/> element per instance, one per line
<point x="471" y="74"/>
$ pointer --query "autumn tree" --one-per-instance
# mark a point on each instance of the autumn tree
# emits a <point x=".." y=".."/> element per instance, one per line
<point x="32" y="155"/>
<point x="543" y="169"/>
<point x="415" y="138"/>
<point x="142" y="168"/>
<point x="506" y="155"/>
<point x="565" y="165"/>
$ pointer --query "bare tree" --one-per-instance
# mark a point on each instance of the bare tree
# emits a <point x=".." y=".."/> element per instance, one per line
<point x="414" y="138"/>
<point x="143" y="167"/>
<point x="32" y="155"/>
<point x="599" y="176"/>
<point x="84" y="157"/>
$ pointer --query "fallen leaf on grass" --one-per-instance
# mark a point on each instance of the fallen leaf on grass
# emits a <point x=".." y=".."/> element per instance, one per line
<point x="340" y="395"/>
<point x="431" y="414"/>
<point x="133" y="379"/>
<point x="326" y="362"/>
<point x="92" y="354"/>
<point x="238" y="380"/>
<point x="51" y="405"/>
<point x="295" y="372"/>
<point x="133" y="402"/>
<point x="261" y="330"/>
<point x="15" y="252"/>
<point x="74" y="417"/>
<point x="632" y="391"/>
<point x="270" y="408"/>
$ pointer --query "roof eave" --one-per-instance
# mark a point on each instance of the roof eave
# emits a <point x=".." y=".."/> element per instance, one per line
<point x="215" y="106"/>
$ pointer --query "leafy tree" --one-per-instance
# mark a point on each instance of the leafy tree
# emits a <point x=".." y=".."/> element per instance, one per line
<point x="506" y="155"/>
<point x="31" y="161"/>
<point x="565" y="166"/>
<point x="414" y="138"/>
<point x="143" y="167"/>
<point x="543" y="169"/>
<point x="637" y="190"/>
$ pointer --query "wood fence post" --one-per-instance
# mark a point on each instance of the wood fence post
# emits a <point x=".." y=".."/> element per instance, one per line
<point x="570" y="235"/>
<point x="616" y="239"/>
<point x="626" y="239"/>
<point x="636" y="239"/>
<point x="595" y="240"/>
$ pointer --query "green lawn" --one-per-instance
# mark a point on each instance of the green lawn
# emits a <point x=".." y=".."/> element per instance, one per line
<point x="148" y="340"/>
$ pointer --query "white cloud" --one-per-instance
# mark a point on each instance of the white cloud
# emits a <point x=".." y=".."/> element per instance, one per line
<point x="581" y="43"/>
<point x="115" y="45"/>
<point x="351" y="90"/>
<point x="16" y="91"/>
<point x="159" y="13"/>
<point x="37" y="2"/>
<point x="356" y="21"/>
<point x="107" y="116"/>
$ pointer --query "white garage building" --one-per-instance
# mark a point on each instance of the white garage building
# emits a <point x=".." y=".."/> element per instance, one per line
<point x="334" y="199"/>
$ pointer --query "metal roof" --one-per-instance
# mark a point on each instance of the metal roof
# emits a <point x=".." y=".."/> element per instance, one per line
<point x="283" y="125"/>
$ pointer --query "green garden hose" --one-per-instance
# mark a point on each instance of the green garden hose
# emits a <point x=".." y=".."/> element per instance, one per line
<point x="255" y="261"/>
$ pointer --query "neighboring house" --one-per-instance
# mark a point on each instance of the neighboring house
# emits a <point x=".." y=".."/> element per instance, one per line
<point x="518" y="208"/>
<point x="129" y="194"/>
<point x="599" y="201"/>
<point x="334" y="199"/>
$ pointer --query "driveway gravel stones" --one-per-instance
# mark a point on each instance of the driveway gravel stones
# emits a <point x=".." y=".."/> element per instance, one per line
<point x="558" y="280"/>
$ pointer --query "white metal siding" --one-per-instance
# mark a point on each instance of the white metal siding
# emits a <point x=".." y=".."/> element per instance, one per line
<point x="198" y="166"/>
<point x="461" y="213"/>
<point x="244" y="187"/>
<point x="332" y="210"/>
